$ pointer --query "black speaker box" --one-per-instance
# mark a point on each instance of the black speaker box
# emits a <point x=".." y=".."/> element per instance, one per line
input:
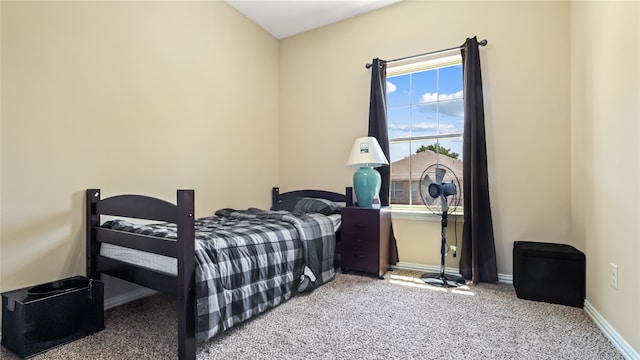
<point x="38" y="318"/>
<point x="553" y="273"/>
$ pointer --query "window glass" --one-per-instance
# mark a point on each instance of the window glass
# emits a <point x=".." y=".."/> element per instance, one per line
<point x="426" y="122"/>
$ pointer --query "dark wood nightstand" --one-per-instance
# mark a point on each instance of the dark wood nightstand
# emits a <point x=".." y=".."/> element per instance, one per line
<point x="365" y="240"/>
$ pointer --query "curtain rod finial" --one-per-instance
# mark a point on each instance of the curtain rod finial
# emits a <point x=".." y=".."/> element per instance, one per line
<point x="483" y="42"/>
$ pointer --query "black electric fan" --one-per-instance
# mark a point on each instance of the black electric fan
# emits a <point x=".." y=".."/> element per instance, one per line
<point x="440" y="192"/>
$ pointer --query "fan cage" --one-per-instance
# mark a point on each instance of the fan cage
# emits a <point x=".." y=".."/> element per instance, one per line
<point x="435" y="204"/>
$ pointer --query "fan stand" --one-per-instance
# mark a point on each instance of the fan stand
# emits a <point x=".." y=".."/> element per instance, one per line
<point x="441" y="279"/>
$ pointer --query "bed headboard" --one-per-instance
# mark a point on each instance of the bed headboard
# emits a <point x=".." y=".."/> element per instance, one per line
<point x="347" y="197"/>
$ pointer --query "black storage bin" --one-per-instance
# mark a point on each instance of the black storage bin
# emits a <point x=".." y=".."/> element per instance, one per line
<point x="37" y="318"/>
<point x="553" y="273"/>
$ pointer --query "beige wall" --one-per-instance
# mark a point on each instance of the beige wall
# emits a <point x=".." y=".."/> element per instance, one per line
<point x="143" y="97"/>
<point x="324" y="94"/>
<point x="605" y="38"/>
<point x="419" y="241"/>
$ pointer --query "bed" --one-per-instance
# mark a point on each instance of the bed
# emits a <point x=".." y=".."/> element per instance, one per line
<point x="221" y="270"/>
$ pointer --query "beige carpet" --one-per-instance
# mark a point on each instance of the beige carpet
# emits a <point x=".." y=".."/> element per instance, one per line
<point x="358" y="317"/>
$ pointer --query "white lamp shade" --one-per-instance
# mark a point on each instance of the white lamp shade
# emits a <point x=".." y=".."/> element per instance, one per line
<point x="366" y="151"/>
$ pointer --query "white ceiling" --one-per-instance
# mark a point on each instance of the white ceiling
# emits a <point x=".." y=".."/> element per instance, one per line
<point x="283" y="18"/>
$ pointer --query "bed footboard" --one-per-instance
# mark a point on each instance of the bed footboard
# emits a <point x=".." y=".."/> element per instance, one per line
<point x="181" y="286"/>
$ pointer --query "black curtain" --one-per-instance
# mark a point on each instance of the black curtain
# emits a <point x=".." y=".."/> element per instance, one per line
<point x="378" y="129"/>
<point x="478" y="252"/>
<point x="378" y="122"/>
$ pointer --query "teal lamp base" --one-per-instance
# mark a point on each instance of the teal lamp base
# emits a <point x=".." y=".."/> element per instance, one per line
<point x="366" y="185"/>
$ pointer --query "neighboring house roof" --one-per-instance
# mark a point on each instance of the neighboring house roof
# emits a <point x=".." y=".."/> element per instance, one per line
<point x="412" y="167"/>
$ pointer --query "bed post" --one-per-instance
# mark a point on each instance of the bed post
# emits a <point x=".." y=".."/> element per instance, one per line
<point x="93" y="220"/>
<point x="185" y="295"/>
<point x="275" y="196"/>
<point x="349" y="194"/>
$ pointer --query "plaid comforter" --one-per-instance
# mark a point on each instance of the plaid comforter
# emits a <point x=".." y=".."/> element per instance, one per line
<point x="250" y="261"/>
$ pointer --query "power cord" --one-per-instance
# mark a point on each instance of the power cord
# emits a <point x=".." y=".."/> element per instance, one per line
<point x="455" y="229"/>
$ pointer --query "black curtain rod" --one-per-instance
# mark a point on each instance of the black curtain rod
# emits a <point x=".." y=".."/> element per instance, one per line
<point x="481" y="43"/>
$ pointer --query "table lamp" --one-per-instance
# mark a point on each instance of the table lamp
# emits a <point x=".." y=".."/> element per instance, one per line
<point x="366" y="154"/>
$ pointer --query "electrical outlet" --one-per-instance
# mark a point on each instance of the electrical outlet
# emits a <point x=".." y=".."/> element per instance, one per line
<point x="613" y="269"/>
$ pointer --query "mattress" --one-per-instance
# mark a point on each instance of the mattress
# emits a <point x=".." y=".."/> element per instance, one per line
<point x="163" y="263"/>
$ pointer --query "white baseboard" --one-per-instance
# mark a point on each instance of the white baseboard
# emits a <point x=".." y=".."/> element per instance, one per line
<point x="126" y="297"/>
<point x="503" y="278"/>
<point x="618" y="341"/>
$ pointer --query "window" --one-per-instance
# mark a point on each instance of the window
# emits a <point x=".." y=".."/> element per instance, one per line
<point x="426" y="122"/>
<point x="396" y="192"/>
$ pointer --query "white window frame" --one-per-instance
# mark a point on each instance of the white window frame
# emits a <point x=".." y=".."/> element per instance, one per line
<point x="420" y="212"/>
